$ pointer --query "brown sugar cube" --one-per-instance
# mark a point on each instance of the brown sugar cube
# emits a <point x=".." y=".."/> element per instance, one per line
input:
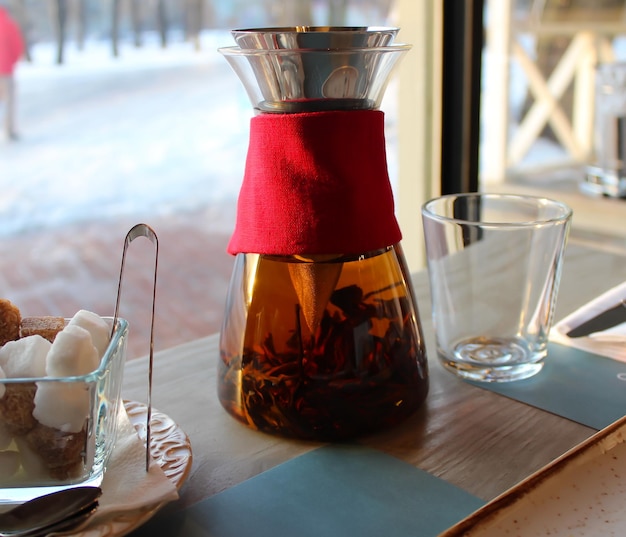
<point x="61" y="452"/>
<point x="16" y="407"/>
<point x="10" y="320"/>
<point x="47" y="327"/>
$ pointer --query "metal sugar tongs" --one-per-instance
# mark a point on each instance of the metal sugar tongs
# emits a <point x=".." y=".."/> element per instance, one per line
<point x="142" y="230"/>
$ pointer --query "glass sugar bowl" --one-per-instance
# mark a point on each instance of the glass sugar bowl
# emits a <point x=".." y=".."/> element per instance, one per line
<point x="59" y="431"/>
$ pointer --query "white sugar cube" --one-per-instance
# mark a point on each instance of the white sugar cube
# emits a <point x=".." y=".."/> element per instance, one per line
<point x="25" y="358"/>
<point x="72" y="353"/>
<point x="62" y="405"/>
<point x="96" y="326"/>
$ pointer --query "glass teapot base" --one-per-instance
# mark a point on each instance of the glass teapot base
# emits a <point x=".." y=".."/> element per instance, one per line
<point x="355" y="366"/>
<point x="352" y="423"/>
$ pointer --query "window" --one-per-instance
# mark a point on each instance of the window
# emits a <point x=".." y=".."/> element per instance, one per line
<point x="126" y="113"/>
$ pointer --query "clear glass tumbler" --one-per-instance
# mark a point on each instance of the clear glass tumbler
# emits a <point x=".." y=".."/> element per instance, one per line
<point x="494" y="263"/>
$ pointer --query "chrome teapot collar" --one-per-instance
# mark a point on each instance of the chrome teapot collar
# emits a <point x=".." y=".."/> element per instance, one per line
<point x="302" y="80"/>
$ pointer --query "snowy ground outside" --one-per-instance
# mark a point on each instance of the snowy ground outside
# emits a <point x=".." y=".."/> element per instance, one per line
<point x="153" y="131"/>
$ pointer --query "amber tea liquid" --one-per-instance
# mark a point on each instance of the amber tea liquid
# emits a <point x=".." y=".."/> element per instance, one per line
<point x="321" y="350"/>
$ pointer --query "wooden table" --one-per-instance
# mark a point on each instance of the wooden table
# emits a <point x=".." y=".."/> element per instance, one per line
<point x="473" y="438"/>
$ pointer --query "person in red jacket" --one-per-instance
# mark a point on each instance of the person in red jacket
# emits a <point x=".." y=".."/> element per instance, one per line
<point x="11" y="50"/>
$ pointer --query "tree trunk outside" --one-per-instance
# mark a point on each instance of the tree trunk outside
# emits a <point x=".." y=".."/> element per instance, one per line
<point x="59" y="23"/>
<point x="135" y="16"/>
<point x="81" y="23"/>
<point x="337" y="12"/>
<point x="290" y="12"/>
<point x="20" y="12"/>
<point x="162" y="22"/>
<point x="194" y="19"/>
<point x="115" y="27"/>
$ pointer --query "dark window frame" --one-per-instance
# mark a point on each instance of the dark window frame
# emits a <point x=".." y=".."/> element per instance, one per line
<point x="463" y="40"/>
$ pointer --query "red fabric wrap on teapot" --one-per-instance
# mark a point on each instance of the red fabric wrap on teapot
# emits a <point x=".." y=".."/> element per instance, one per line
<point x="315" y="183"/>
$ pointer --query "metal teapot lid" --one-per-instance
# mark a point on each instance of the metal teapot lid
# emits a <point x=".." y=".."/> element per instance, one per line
<point x="317" y="37"/>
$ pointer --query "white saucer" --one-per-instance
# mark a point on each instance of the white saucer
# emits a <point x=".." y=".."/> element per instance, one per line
<point x="170" y="449"/>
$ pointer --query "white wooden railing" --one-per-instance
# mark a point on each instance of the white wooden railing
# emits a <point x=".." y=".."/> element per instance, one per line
<point x="505" y="145"/>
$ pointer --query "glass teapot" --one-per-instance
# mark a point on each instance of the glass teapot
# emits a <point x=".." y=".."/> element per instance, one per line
<point x="321" y="336"/>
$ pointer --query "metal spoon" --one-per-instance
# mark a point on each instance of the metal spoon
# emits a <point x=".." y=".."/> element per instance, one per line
<point x="52" y="512"/>
<point x="69" y="524"/>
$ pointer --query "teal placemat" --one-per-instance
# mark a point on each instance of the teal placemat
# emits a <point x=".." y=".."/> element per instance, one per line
<point x="574" y="384"/>
<point x="334" y="491"/>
